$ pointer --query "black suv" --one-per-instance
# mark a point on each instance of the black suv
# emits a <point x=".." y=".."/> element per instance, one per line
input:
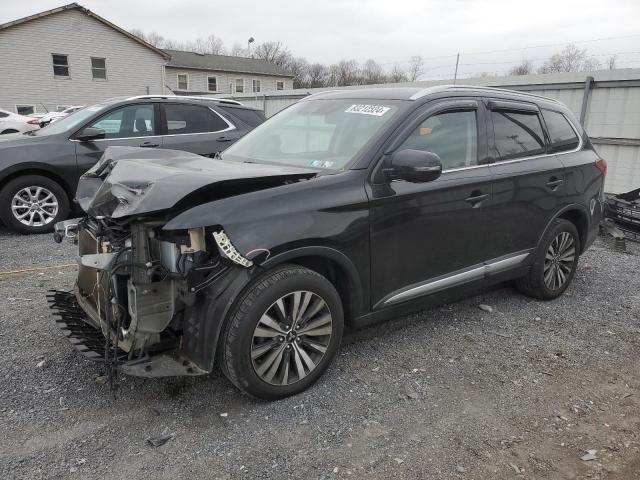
<point x="39" y="170"/>
<point x="344" y="209"/>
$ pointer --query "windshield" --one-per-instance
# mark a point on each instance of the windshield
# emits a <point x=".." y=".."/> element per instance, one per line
<point x="323" y="134"/>
<point x="70" y="121"/>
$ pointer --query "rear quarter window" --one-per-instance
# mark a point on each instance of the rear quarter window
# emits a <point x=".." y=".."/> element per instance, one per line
<point x="252" y="118"/>
<point x="563" y="136"/>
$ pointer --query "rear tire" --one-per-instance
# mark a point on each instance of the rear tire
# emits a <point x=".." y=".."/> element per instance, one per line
<point x="33" y="199"/>
<point x="283" y="333"/>
<point x="555" y="263"/>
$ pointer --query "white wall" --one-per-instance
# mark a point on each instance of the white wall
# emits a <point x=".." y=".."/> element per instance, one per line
<point x="27" y="71"/>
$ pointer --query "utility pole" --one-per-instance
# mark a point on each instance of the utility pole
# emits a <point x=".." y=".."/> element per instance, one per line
<point x="455" y="75"/>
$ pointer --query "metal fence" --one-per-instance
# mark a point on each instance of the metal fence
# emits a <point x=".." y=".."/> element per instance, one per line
<point x="607" y="102"/>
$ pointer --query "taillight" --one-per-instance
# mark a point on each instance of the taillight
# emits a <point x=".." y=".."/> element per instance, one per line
<point x="35" y="121"/>
<point x="601" y="165"/>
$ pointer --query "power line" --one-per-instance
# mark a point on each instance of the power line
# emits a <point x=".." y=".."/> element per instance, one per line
<point x="485" y="52"/>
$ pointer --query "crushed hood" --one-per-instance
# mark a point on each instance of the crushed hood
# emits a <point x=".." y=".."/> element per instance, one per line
<point x="134" y="181"/>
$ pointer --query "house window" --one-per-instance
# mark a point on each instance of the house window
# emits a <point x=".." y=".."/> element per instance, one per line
<point x="239" y="85"/>
<point x="25" y="109"/>
<point x="98" y="68"/>
<point x="60" y="65"/>
<point x="279" y="85"/>
<point x="212" y="84"/>
<point x="255" y="86"/>
<point x="183" y="81"/>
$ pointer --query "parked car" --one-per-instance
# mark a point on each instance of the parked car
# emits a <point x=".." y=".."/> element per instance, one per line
<point x="344" y="209"/>
<point x="39" y="171"/>
<point x="47" y="118"/>
<point x="14" y="123"/>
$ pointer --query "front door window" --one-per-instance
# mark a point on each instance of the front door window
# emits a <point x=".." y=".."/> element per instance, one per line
<point x="129" y="121"/>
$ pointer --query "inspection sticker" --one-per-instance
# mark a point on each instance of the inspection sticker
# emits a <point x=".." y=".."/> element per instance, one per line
<point x="377" y="110"/>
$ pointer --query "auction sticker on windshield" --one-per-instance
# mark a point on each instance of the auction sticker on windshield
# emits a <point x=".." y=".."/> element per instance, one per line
<point x="377" y="110"/>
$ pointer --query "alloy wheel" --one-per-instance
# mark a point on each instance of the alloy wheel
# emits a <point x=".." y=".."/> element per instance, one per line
<point x="291" y="338"/>
<point x="559" y="260"/>
<point x="34" y="206"/>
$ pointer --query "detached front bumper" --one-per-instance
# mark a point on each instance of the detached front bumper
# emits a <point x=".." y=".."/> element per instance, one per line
<point x="91" y="343"/>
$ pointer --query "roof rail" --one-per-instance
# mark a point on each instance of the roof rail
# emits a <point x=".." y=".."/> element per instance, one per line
<point x="505" y="90"/>
<point x="429" y="91"/>
<point x="441" y="88"/>
<point x="187" y="97"/>
<point x="325" y="91"/>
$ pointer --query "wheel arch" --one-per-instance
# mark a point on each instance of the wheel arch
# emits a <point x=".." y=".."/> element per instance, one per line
<point x="333" y="265"/>
<point x="576" y="214"/>
<point x="43" y="172"/>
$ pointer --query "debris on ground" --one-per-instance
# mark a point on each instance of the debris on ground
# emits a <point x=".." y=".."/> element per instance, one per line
<point x="486" y="308"/>
<point x="590" y="455"/>
<point x="161" y="439"/>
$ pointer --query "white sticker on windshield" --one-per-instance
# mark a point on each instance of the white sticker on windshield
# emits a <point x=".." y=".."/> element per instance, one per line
<point x="377" y="110"/>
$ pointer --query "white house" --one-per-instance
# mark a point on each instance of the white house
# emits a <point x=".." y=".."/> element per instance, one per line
<point x="71" y="56"/>
<point x="190" y="73"/>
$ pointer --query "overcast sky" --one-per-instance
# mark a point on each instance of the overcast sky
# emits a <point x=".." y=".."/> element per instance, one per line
<point x="390" y="31"/>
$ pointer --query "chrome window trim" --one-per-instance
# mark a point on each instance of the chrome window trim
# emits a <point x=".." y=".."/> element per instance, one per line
<point x="454" y="279"/>
<point x="230" y="127"/>
<point x="543" y="155"/>
<point x="522" y="159"/>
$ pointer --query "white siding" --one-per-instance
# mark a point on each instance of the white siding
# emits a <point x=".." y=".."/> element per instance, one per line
<point x="198" y="80"/>
<point x="27" y="72"/>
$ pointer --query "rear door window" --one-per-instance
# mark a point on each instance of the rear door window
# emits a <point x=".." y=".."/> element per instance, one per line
<point x="184" y="119"/>
<point x="517" y="134"/>
<point x="563" y="136"/>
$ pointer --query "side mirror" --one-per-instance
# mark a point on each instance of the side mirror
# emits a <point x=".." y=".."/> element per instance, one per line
<point x="91" y="133"/>
<point x="415" y="166"/>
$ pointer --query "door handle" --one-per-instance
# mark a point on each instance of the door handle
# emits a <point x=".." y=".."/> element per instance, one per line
<point x="476" y="198"/>
<point x="149" y="145"/>
<point x="554" y="183"/>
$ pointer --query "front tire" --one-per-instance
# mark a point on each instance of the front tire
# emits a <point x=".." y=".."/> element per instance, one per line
<point x="555" y="264"/>
<point x="33" y="204"/>
<point x="283" y="333"/>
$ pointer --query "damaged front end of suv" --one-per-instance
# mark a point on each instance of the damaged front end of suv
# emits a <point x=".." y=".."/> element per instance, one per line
<point x="149" y="299"/>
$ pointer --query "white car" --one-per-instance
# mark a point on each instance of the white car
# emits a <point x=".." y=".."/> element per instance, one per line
<point x="53" y="116"/>
<point x="13" y="123"/>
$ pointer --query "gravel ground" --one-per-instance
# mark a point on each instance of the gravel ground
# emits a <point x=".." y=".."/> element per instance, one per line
<point x="523" y="391"/>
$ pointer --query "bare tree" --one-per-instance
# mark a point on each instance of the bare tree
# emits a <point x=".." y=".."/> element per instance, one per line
<point x="570" y="59"/>
<point x="590" y="64"/>
<point x="397" y="75"/>
<point x="372" y="73"/>
<point x="348" y="72"/>
<point x="273" y="52"/>
<point x="214" y="45"/>
<point x="138" y="33"/>
<point x="299" y="68"/>
<point x="416" y="68"/>
<point x="237" y="50"/>
<point x="611" y="62"/>
<point x="525" y="68"/>
<point x="318" y="76"/>
<point x="305" y="75"/>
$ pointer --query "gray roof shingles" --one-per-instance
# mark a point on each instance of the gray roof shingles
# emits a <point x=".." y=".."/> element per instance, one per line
<point x="224" y="63"/>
